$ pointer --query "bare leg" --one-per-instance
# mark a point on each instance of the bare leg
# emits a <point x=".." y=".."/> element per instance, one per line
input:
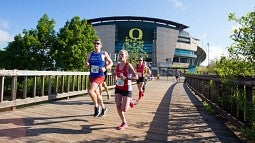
<point x="140" y="88"/>
<point x="93" y="87"/>
<point x="106" y="89"/>
<point x="101" y="89"/>
<point x="119" y="101"/>
<point x="99" y="98"/>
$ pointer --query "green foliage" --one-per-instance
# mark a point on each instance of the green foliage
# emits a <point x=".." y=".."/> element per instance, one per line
<point x="234" y="67"/>
<point x="208" y="108"/>
<point x="248" y="134"/>
<point x="30" y="50"/>
<point x="211" y="67"/>
<point x="241" y="61"/>
<point x="135" y="49"/>
<point x="244" y="36"/>
<point x="73" y="43"/>
<point x="42" y="48"/>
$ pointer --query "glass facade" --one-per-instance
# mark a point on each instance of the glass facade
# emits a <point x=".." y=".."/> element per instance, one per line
<point x="133" y="30"/>
<point x="184" y="56"/>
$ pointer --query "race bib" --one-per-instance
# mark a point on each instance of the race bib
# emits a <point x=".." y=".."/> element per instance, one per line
<point x="94" y="69"/>
<point x="119" y="82"/>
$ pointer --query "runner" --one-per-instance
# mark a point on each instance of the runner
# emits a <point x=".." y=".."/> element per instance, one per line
<point x="123" y="73"/>
<point x="96" y="60"/>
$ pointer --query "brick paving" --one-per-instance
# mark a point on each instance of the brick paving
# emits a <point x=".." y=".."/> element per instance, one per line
<point x="168" y="112"/>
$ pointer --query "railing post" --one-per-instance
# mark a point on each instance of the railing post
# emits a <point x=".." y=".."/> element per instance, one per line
<point x="250" y="102"/>
<point x="34" y="86"/>
<point x="42" y="85"/>
<point x="78" y="82"/>
<point x="56" y="84"/>
<point x="67" y="83"/>
<point x="73" y="78"/>
<point x="49" y="85"/>
<point x="25" y="88"/>
<point x="1" y="89"/>
<point x="249" y="93"/>
<point x="14" y="90"/>
<point x="62" y="83"/>
<point x="82" y="77"/>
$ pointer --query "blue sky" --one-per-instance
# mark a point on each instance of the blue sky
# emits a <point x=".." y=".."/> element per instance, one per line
<point x="207" y="20"/>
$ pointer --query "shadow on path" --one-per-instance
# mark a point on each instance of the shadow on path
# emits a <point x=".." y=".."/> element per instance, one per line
<point x="158" y="129"/>
<point x="223" y="133"/>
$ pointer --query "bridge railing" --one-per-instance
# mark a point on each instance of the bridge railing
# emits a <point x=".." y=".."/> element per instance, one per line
<point x="234" y="101"/>
<point x="21" y="87"/>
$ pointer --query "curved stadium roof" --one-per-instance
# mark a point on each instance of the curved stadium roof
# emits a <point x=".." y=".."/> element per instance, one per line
<point x="136" y="18"/>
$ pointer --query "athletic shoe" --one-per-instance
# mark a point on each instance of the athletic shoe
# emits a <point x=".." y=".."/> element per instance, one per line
<point x="131" y="104"/>
<point x="122" y="126"/>
<point x="97" y="111"/>
<point x="103" y="112"/>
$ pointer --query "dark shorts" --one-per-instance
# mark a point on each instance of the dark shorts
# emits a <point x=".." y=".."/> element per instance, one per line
<point x="123" y="93"/>
<point x="140" y="79"/>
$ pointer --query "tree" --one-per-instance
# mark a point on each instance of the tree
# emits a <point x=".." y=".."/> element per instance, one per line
<point x="73" y="43"/>
<point x="233" y="67"/>
<point x="135" y="49"/>
<point x="243" y="36"/>
<point x="46" y="38"/>
<point x="241" y="60"/>
<point x="1" y="59"/>
<point x="30" y="50"/>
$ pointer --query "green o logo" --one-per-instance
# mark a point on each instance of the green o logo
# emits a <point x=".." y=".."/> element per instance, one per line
<point x="139" y="35"/>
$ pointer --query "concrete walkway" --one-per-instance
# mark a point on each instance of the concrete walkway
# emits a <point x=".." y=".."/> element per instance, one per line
<point x="168" y="112"/>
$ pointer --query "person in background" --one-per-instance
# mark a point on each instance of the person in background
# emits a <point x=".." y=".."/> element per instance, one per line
<point x="123" y="73"/>
<point x="177" y="78"/>
<point x="140" y="69"/>
<point x="147" y="75"/>
<point x="104" y="85"/>
<point x="96" y="60"/>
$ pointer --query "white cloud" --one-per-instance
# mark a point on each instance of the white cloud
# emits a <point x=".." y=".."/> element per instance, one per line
<point x="177" y="3"/>
<point x="5" y="36"/>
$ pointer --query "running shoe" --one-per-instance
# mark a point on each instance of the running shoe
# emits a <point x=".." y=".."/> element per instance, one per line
<point x="122" y="126"/>
<point x="103" y="112"/>
<point x="97" y="111"/>
<point x="131" y="104"/>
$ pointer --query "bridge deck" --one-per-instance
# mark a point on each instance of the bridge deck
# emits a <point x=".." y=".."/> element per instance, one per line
<point x="168" y="113"/>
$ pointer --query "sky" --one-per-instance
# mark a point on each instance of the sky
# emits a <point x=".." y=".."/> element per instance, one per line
<point x="207" y="20"/>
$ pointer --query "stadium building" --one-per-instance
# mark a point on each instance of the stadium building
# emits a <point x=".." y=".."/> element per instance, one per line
<point x="167" y="44"/>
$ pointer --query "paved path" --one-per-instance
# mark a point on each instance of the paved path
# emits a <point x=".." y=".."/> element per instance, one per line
<point x="169" y="112"/>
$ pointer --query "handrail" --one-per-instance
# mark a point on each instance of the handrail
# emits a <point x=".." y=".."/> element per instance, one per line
<point x="225" y="98"/>
<point x="21" y="87"/>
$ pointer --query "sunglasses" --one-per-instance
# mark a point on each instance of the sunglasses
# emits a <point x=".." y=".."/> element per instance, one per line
<point x="97" y="43"/>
